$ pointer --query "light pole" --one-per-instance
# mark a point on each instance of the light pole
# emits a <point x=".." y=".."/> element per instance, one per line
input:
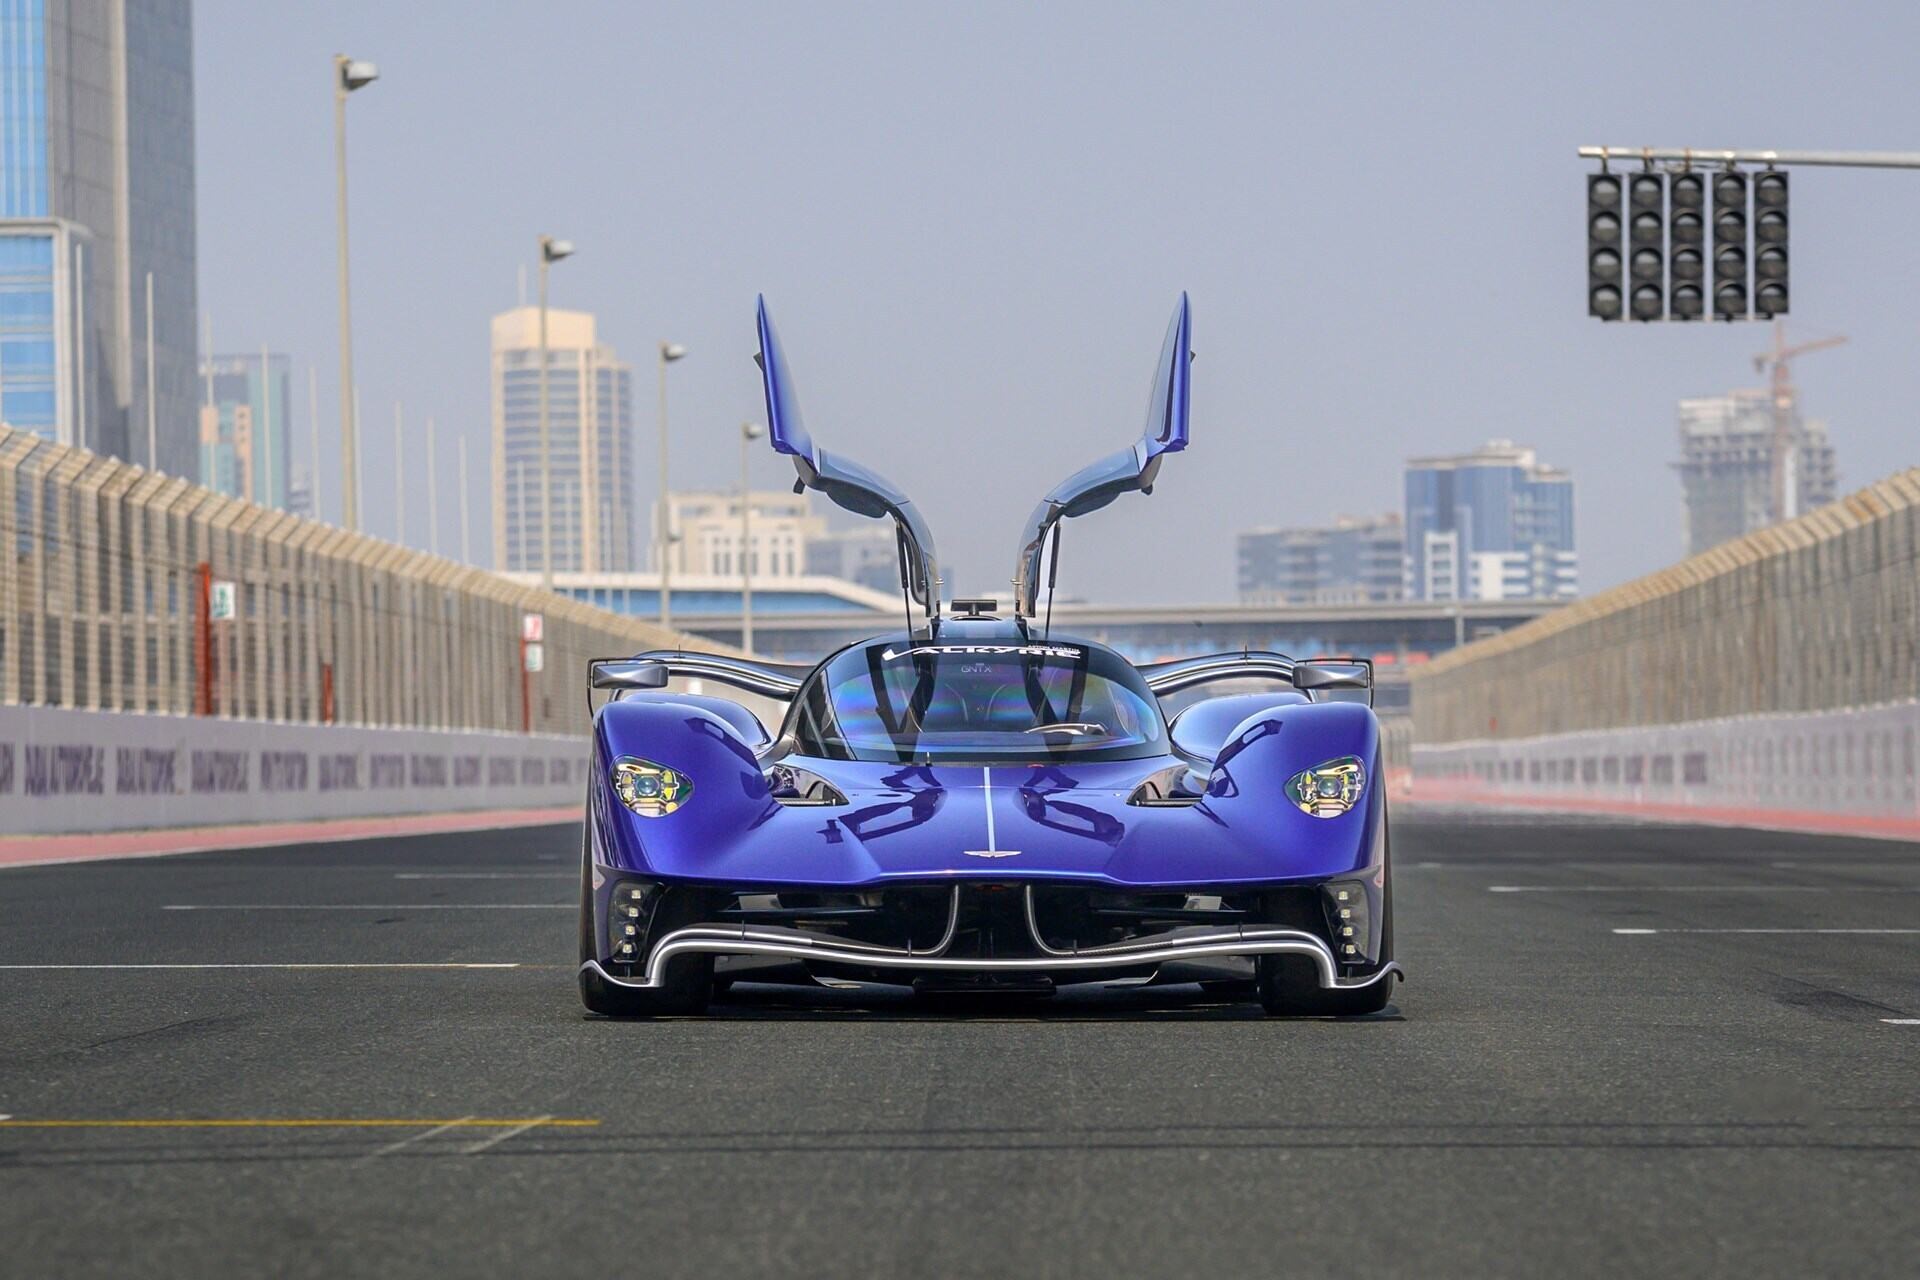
<point x="749" y="432"/>
<point x="348" y="74"/>
<point x="669" y="352"/>
<point x="551" y="251"/>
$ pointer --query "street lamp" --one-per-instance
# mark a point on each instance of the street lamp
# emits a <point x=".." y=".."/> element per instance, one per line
<point x="669" y="352"/>
<point x="749" y="432"/>
<point x="348" y="74"/>
<point x="551" y="251"/>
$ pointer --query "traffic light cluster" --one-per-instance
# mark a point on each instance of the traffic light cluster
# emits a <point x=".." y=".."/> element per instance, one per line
<point x="1647" y="245"/>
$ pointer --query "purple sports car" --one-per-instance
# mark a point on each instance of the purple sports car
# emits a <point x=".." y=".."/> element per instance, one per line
<point x="975" y="803"/>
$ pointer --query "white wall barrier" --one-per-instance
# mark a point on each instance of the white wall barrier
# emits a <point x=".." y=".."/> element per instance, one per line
<point x="1857" y="763"/>
<point x="67" y="771"/>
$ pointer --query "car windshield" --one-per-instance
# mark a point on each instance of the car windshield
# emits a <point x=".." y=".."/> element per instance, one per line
<point x="981" y="702"/>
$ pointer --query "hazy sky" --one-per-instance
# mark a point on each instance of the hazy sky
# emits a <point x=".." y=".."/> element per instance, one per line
<point x="972" y="223"/>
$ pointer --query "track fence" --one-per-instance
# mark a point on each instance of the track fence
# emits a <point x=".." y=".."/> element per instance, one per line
<point x="1776" y="672"/>
<point x="125" y="590"/>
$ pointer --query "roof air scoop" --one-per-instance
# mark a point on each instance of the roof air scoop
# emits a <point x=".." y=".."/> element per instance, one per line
<point x="1131" y="469"/>
<point x="846" y="484"/>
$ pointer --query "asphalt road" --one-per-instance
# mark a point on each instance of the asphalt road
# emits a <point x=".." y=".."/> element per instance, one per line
<point x="1620" y="1051"/>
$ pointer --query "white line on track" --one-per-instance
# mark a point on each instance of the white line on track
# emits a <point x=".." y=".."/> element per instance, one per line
<point x="371" y="906"/>
<point x="1646" y="931"/>
<point x="284" y="965"/>
<point x="392" y="1147"/>
<point x="483" y="875"/>
<point x="504" y="1134"/>
<point x="1693" y="888"/>
<point x="1898" y="1022"/>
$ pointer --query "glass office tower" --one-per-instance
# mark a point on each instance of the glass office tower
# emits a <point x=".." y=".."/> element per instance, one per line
<point x="1494" y="524"/>
<point x="96" y="216"/>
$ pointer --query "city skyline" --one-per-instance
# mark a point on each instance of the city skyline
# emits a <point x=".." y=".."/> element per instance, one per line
<point x="874" y="326"/>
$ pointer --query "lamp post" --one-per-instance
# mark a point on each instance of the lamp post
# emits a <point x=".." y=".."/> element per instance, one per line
<point x="749" y="432"/>
<point x="551" y="251"/>
<point x="669" y="352"/>
<point x="348" y="74"/>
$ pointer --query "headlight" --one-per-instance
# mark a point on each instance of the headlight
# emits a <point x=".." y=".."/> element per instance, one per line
<point x="1328" y="790"/>
<point x="650" y="790"/>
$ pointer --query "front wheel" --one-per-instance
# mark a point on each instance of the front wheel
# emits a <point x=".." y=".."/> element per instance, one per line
<point x="1290" y="987"/>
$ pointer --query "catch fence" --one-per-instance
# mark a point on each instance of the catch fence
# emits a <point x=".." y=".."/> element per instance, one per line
<point x="125" y="590"/>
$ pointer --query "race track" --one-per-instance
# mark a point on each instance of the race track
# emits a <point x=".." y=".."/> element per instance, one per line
<point x="1620" y="1051"/>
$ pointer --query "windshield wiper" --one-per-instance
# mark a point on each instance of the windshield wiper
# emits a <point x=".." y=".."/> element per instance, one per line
<point x="1069" y="726"/>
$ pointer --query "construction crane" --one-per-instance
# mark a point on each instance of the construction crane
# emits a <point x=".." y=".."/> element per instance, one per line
<point x="1785" y="454"/>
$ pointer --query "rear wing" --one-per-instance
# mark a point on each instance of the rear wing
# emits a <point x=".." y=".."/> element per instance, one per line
<point x="1323" y="679"/>
<point x="651" y="670"/>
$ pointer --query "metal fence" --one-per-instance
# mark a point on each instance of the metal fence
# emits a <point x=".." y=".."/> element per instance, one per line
<point x="113" y="591"/>
<point x="1821" y="613"/>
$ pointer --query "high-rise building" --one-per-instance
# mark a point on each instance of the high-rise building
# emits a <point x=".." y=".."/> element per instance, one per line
<point x="868" y="554"/>
<point x="1727" y="469"/>
<point x="1494" y="524"/>
<point x="1354" y="560"/>
<point x="97" y="226"/>
<point x="589" y="420"/>
<point x="246" y="436"/>
<point x="708" y="525"/>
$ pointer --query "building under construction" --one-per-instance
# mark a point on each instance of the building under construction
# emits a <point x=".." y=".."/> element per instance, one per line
<point x="1748" y="459"/>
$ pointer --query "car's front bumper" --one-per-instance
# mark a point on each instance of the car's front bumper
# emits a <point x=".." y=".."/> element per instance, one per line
<point x="1206" y="943"/>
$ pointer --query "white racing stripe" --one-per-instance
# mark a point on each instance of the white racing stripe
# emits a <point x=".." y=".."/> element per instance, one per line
<point x="986" y="791"/>
<point x="993" y="850"/>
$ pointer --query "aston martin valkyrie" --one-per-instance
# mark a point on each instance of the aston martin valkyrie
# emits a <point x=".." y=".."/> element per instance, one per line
<point x="976" y="803"/>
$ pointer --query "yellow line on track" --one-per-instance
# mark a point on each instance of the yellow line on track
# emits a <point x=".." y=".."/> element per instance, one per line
<point x="429" y="1122"/>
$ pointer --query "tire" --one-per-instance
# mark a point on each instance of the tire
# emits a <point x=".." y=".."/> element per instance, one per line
<point x="687" y="990"/>
<point x="1290" y="988"/>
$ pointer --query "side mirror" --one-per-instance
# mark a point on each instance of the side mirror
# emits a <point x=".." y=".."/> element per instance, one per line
<point x="626" y="673"/>
<point x="1335" y="679"/>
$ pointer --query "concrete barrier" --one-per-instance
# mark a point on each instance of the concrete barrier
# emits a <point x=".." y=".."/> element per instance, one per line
<point x="64" y="771"/>
<point x="1831" y="771"/>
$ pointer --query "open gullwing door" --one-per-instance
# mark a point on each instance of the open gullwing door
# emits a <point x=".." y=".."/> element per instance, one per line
<point x="1135" y="468"/>
<point x="845" y="483"/>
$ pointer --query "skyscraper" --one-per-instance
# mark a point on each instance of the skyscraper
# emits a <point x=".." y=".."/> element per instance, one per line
<point x="96" y="216"/>
<point x="1726" y="465"/>
<point x="1494" y="524"/>
<point x="1354" y="560"/>
<point x="246" y="437"/>
<point x="589" y="417"/>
